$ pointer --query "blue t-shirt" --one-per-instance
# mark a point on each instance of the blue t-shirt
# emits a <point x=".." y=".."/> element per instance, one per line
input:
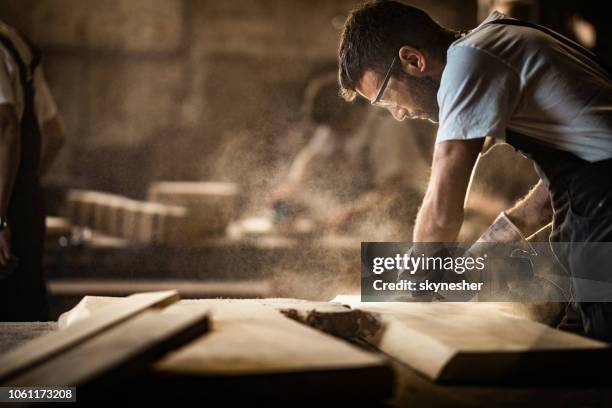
<point x="504" y="76"/>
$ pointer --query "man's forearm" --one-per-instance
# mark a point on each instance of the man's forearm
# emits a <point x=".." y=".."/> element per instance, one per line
<point x="441" y="214"/>
<point x="429" y="227"/>
<point x="10" y="147"/>
<point x="533" y="211"/>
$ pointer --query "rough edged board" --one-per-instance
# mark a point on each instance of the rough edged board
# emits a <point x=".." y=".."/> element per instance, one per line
<point x="252" y="338"/>
<point x="330" y="317"/>
<point x="479" y="343"/>
<point x="255" y="349"/>
<point x="45" y="347"/>
<point x="117" y="353"/>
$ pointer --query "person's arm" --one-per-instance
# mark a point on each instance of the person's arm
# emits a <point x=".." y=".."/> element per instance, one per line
<point x="441" y="214"/>
<point x="9" y="162"/>
<point x="364" y="203"/>
<point x="52" y="141"/>
<point x="303" y="164"/>
<point x="533" y="211"/>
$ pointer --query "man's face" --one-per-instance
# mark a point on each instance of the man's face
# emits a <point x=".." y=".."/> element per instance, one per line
<point x="405" y="96"/>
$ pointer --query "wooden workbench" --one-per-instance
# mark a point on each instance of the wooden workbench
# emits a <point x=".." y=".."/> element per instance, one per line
<point x="410" y="389"/>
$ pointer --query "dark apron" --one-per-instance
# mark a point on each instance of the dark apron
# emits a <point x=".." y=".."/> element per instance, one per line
<point x="581" y="198"/>
<point x="23" y="292"/>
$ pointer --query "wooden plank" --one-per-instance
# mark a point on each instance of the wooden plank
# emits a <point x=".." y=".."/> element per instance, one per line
<point x="254" y="338"/>
<point x="117" y="353"/>
<point x="479" y="342"/>
<point x="43" y="348"/>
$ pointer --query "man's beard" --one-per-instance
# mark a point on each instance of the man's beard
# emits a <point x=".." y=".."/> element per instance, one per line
<point x="423" y="92"/>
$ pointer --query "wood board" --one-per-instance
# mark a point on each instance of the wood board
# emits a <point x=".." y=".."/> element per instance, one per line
<point x="117" y="353"/>
<point x="38" y="350"/>
<point x="479" y="343"/>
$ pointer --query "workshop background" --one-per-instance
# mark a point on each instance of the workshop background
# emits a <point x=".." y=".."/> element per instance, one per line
<point x="182" y="119"/>
<point x="141" y="83"/>
<point x="209" y="91"/>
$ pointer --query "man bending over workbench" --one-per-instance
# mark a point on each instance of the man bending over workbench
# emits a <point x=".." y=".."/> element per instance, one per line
<point x="504" y="80"/>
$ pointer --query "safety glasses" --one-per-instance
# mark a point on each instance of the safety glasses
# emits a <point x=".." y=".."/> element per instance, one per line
<point x="378" y="101"/>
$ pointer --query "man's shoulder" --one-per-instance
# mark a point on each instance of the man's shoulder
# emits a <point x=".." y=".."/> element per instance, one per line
<point x="485" y="36"/>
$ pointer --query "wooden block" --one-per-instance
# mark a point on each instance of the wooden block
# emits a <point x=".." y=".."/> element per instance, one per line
<point x="130" y="211"/>
<point x="115" y="216"/>
<point x="210" y="205"/>
<point x="479" y="342"/>
<point x="149" y="222"/>
<point x="117" y="353"/>
<point x="100" y="204"/>
<point x="105" y="219"/>
<point x="71" y="206"/>
<point x="43" y="348"/>
<point x="57" y="227"/>
<point x="171" y="227"/>
<point x="81" y="207"/>
<point x="186" y="192"/>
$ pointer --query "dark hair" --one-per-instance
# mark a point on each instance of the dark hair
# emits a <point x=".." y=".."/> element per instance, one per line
<point x="374" y="33"/>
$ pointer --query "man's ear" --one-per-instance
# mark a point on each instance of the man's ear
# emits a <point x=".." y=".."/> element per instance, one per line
<point x="413" y="61"/>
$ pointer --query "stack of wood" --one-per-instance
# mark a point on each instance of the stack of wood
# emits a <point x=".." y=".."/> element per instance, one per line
<point x="119" y="216"/>
<point x="210" y="205"/>
<point x="174" y="213"/>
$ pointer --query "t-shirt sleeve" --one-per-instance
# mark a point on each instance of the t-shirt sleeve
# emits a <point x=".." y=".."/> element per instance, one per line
<point x="478" y="93"/>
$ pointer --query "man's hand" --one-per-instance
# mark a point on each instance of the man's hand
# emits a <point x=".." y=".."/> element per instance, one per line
<point x="441" y="214"/>
<point x="285" y="192"/>
<point x="338" y="220"/>
<point x="533" y="211"/>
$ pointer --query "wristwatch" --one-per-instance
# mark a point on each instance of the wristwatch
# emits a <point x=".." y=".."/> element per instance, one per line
<point x="3" y="222"/>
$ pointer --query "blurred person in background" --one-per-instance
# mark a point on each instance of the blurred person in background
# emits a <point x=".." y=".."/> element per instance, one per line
<point x="31" y="136"/>
<point x="359" y="172"/>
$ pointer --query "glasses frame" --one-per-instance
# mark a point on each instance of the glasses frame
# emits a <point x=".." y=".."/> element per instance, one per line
<point x="383" y="87"/>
